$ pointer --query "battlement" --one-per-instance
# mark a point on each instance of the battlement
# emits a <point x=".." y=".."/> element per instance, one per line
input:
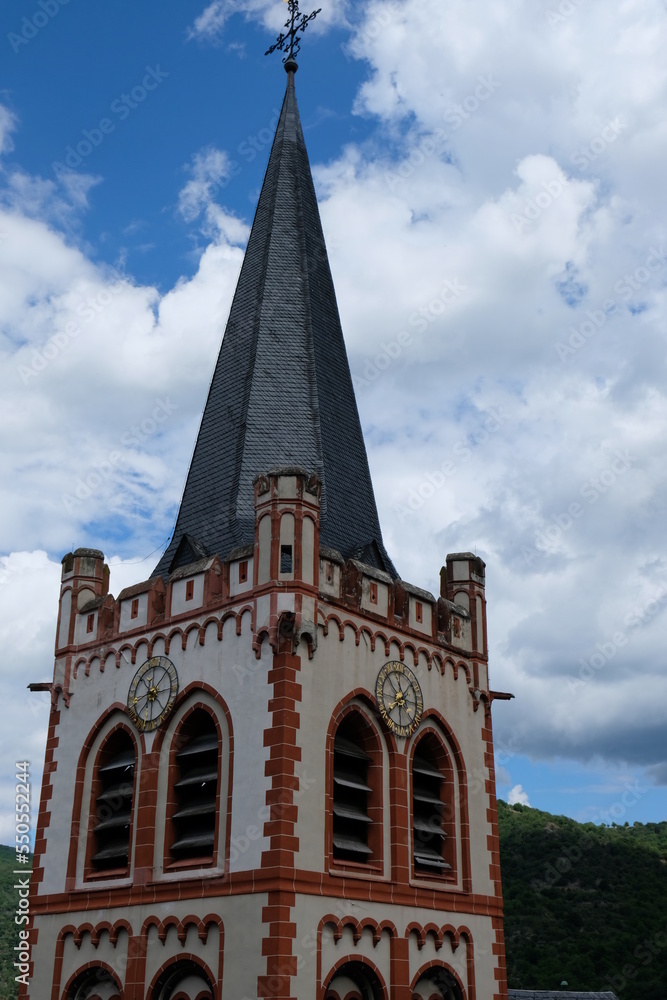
<point x="284" y="572"/>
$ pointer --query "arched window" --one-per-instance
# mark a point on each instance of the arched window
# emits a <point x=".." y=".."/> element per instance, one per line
<point x="113" y="792"/>
<point x="357" y="793"/>
<point x="437" y="984"/>
<point x="94" y="984"/>
<point x="354" y="981"/>
<point x="184" y="980"/>
<point x="195" y="790"/>
<point x="433" y="819"/>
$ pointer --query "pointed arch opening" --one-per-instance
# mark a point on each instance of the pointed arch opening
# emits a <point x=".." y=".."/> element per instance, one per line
<point x="195" y="782"/>
<point x="356" y="793"/>
<point x="354" y="981"/>
<point x="110" y="823"/>
<point x="437" y="983"/>
<point x="434" y="851"/>
<point x="185" y="979"/>
<point x="96" y="983"/>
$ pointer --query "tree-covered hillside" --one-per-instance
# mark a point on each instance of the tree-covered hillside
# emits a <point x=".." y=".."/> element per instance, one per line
<point x="584" y="903"/>
<point x="8" y="928"/>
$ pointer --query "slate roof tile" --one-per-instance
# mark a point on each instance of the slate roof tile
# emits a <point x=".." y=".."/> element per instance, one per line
<point x="281" y="393"/>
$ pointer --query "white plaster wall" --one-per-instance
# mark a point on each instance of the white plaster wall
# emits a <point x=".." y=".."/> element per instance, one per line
<point x="460" y="570"/>
<point x="426" y="624"/>
<point x="264" y="543"/>
<point x="126" y="620"/>
<point x="310" y="910"/>
<point x="462" y="599"/>
<point x="332" y="588"/>
<point x="480" y="624"/>
<point x="244" y="931"/>
<point x="81" y="633"/>
<point x="341" y="667"/>
<point x="237" y="586"/>
<point x="381" y="606"/>
<point x="229" y="666"/>
<point x="308" y="549"/>
<point x="179" y="605"/>
<point x="158" y="952"/>
<point x="75" y="958"/>
<point x="483" y="937"/>
<point x="65" y="612"/>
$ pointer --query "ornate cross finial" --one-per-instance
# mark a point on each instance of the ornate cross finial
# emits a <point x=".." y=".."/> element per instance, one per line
<point x="289" y="42"/>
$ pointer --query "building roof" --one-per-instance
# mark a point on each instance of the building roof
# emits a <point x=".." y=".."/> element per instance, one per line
<point x="557" y="995"/>
<point x="281" y="393"/>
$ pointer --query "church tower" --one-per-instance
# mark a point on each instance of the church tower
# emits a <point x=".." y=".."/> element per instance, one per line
<point x="269" y="768"/>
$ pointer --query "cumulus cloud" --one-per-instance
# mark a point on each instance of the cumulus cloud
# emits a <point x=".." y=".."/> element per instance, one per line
<point x="210" y="171"/>
<point x="517" y="796"/>
<point x="210" y="24"/>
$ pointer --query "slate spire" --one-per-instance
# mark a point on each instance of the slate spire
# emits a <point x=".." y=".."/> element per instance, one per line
<point x="281" y="393"/>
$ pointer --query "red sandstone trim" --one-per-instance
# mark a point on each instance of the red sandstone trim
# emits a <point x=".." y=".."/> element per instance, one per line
<point x="493" y="843"/>
<point x="279" y="828"/>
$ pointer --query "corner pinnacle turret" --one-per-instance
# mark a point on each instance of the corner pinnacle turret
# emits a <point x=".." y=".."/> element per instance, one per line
<point x="281" y="393"/>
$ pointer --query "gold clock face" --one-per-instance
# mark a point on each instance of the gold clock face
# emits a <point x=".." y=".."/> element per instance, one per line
<point x="399" y="698"/>
<point x="152" y="693"/>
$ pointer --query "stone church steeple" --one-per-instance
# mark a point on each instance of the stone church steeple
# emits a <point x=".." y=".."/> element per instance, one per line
<point x="269" y="769"/>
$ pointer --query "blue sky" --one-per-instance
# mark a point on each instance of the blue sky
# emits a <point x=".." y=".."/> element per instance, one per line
<point x="492" y="188"/>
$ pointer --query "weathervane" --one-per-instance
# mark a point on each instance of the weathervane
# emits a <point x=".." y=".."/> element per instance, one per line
<point x="290" y="42"/>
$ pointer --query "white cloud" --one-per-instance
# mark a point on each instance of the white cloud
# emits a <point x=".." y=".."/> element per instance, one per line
<point x="7" y="127"/>
<point x="210" y="24"/>
<point x="210" y="172"/>
<point x="517" y="795"/>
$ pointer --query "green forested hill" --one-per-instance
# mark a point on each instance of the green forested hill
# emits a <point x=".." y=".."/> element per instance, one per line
<point x="584" y="903"/>
<point x="8" y="929"/>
